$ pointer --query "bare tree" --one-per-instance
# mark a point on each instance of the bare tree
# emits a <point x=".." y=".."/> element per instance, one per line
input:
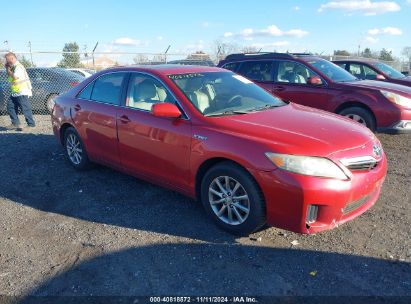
<point x="249" y="49"/>
<point x="407" y="52"/>
<point x="221" y="49"/>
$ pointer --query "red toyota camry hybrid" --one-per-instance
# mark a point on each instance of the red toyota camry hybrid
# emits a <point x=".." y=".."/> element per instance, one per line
<point x="250" y="158"/>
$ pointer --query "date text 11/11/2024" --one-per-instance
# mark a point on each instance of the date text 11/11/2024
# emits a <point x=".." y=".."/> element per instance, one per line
<point x="182" y="299"/>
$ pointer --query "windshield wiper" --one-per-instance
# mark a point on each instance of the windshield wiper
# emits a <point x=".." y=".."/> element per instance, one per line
<point x="230" y="112"/>
<point x="265" y="107"/>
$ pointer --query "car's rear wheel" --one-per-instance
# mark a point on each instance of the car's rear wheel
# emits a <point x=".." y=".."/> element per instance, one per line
<point x="75" y="151"/>
<point x="232" y="198"/>
<point x="360" y="115"/>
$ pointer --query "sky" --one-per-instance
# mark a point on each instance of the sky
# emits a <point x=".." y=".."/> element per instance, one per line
<point x="319" y="26"/>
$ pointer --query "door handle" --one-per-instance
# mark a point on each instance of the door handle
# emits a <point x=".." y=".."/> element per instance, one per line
<point x="278" y="89"/>
<point x="77" y="107"/>
<point x="124" y="119"/>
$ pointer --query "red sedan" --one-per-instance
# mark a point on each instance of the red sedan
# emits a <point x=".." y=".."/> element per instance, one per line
<point x="249" y="157"/>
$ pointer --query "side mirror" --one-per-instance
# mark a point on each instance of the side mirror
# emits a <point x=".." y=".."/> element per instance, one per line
<point x="165" y="109"/>
<point x="315" y="80"/>
<point x="380" y="77"/>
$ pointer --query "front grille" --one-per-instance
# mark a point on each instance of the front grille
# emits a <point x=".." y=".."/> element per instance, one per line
<point x="360" y="163"/>
<point x="356" y="204"/>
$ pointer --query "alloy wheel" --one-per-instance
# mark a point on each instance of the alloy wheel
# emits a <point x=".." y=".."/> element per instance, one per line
<point x="357" y="118"/>
<point x="229" y="200"/>
<point x="74" y="149"/>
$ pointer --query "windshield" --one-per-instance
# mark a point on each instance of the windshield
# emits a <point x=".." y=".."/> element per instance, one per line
<point x="332" y="71"/>
<point x="224" y="93"/>
<point x="386" y="69"/>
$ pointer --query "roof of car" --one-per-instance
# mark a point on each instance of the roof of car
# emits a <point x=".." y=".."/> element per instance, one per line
<point x="239" y="56"/>
<point x="167" y="69"/>
<point x="356" y="60"/>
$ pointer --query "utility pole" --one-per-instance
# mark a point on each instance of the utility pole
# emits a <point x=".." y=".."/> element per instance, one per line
<point x="94" y="67"/>
<point x="165" y="53"/>
<point x="31" y="54"/>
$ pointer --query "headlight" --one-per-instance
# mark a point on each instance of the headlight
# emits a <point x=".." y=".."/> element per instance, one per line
<point x="307" y="165"/>
<point x="396" y="98"/>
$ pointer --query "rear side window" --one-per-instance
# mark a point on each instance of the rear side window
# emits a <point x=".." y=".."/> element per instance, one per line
<point x="86" y="92"/>
<point x="232" y="66"/>
<point x="257" y="70"/>
<point x="107" y="88"/>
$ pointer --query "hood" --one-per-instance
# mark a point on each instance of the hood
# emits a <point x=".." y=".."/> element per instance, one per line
<point x="299" y="130"/>
<point x="381" y="85"/>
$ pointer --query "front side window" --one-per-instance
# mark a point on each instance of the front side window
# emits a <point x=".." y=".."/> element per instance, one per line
<point x="369" y="73"/>
<point x="232" y="66"/>
<point x="144" y="91"/>
<point x="341" y="64"/>
<point x="386" y="69"/>
<point x="224" y="93"/>
<point x="331" y="70"/>
<point x="356" y="70"/>
<point x="257" y="70"/>
<point x="107" y="88"/>
<point x="293" y="72"/>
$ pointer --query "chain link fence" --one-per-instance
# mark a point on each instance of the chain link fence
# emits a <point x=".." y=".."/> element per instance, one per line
<point x="53" y="73"/>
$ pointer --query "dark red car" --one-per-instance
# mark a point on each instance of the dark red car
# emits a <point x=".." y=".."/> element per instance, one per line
<point x="249" y="157"/>
<point x="318" y="83"/>
<point x="374" y="70"/>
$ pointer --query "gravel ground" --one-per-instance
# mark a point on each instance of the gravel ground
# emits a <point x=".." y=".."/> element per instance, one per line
<point x="105" y="233"/>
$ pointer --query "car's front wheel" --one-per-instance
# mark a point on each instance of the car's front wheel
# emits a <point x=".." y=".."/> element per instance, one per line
<point x="360" y="115"/>
<point x="75" y="150"/>
<point x="232" y="198"/>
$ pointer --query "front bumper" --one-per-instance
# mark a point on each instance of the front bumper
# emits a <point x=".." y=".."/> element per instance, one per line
<point x="288" y="198"/>
<point x="400" y="127"/>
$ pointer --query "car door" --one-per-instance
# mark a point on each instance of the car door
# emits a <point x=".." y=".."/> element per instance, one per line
<point x="260" y="72"/>
<point x="156" y="147"/>
<point x="291" y="83"/>
<point x="95" y="116"/>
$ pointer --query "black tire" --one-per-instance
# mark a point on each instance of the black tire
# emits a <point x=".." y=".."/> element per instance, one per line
<point x="79" y="164"/>
<point x="256" y="217"/>
<point x="364" y="115"/>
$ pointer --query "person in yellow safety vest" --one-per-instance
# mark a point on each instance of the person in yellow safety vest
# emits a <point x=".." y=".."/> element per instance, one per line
<point x="21" y="90"/>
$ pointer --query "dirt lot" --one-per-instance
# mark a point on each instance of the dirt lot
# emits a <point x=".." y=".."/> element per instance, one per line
<point x="104" y="233"/>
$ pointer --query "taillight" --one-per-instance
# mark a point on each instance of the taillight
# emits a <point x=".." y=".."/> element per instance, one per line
<point x="73" y="84"/>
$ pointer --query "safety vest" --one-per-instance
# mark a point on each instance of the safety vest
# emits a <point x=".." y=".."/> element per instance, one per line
<point x="17" y="86"/>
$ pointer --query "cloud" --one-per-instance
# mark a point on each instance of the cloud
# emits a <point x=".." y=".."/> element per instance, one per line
<point x="269" y="31"/>
<point x="387" y="30"/>
<point x="297" y="8"/>
<point x="159" y="38"/>
<point x="126" y="41"/>
<point x="370" y="39"/>
<point x="366" y="7"/>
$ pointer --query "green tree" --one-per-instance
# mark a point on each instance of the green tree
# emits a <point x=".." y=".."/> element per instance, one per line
<point x="25" y="62"/>
<point x="386" y="55"/>
<point x="70" y="60"/>
<point x="341" y="53"/>
<point x="367" y="53"/>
